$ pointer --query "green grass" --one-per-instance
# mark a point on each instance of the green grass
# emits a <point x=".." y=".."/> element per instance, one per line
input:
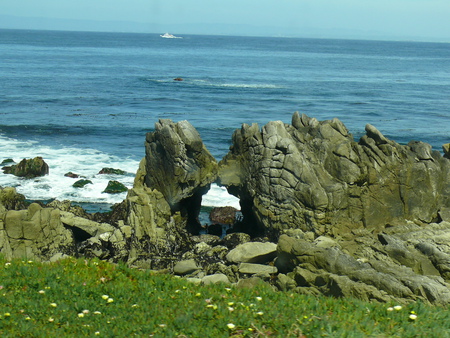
<point x="76" y="297"/>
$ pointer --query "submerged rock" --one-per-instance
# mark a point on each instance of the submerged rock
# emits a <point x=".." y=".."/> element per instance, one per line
<point x="8" y="161"/>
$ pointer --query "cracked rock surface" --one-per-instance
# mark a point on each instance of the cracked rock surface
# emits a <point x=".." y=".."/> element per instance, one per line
<point x="313" y="176"/>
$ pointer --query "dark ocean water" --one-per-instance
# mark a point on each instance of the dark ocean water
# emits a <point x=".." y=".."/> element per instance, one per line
<point x="84" y="100"/>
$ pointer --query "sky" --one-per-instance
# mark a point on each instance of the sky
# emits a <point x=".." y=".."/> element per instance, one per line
<point x="425" y="20"/>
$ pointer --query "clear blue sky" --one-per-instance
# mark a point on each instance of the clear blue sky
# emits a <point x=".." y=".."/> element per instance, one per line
<point x="388" y="19"/>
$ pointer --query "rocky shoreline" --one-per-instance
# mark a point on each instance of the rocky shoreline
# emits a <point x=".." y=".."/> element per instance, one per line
<point x="321" y="213"/>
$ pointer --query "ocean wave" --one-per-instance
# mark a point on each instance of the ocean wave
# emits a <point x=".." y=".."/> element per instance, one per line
<point x="218" y="196"/>
<point x="213" y="83"/>
<point x="84" y="162"/>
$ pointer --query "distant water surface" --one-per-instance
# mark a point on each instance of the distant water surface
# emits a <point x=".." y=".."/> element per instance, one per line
<point x="85" y="100"/>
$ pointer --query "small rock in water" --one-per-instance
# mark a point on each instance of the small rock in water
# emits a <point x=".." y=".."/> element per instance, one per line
<point x="223" y="215"/>
<point x="81" y="183"/>
<point x="115" y="187"/>
<point x="8" y="161"/>
<point x="71" y="175"/>
<point x="178" y="79"/>
<point x="111" y="171"/>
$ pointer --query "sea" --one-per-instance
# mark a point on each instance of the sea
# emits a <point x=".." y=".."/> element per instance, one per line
<point x="85" y="100"/>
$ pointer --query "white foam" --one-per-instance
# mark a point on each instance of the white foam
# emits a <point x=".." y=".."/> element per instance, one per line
<point x="84" y="162"/>
<point x="219" y="197"/>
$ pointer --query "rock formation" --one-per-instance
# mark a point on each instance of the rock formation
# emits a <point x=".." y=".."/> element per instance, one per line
<point x="178" y="165"/>
<point x="28" y="168"/>
<point x="313" y="176"/>
<point x="367" y="219"/>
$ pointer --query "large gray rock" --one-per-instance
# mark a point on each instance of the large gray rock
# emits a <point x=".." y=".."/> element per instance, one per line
<point x="177" y="162"/>
<point x="312" y="175"/>
<point x="386" y="271"/>
<point x="35" y="233"/>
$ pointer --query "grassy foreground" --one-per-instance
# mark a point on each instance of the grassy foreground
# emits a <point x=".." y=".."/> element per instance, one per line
<point x="76" y="297"/>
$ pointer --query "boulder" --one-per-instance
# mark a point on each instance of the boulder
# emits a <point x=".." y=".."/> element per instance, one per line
<point x="28" y="168"/>
<point x="185" y="267"/>
<point x="252" y="252"/>
<point x="256" y="269"/>
<point x="313" y="176"/>
<point x="381" y="276"/>
<point x="223" y="215"/>
<point x="215" y="279"/>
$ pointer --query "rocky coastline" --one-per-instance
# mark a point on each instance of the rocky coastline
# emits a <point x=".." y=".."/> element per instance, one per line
<point x="321" y="213"/>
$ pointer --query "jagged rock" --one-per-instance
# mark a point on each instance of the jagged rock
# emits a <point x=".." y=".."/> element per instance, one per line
<point x="234" y="239"/>
<point x="86" y="225"/>
<point x="312" y="175"/>
<point x="334" y="272"/>
<point x="252" y="252"/>
<point x="11" y="200"/>
<point x="67" y="206"/>
<point x="35" y="233"/>
<point x="446" y="149"/>
<point x="179" y="166"/>
<point x="28" y="168"/>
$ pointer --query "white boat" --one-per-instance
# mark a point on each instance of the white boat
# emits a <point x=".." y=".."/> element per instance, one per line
<point x="169" y="36"/>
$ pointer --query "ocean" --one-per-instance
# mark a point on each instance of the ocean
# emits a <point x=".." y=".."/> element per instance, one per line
<point x="85" y="100"/>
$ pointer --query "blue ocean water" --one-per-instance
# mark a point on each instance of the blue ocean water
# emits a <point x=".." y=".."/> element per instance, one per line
<point x="84" y="100"/>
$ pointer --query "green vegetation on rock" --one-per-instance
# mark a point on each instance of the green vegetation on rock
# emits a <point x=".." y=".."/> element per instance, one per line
<point x="111" y="171"/>
<point x="115" y="187"/>
<point x="7" y="162"/>
<point x="81" y="183"/>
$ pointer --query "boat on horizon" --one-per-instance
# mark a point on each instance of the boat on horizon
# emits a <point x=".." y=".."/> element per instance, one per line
<point x="170" y="36"/>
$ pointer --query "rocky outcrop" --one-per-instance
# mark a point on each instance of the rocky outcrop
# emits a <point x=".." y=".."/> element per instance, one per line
<point x="402" y="265"/>
<point x="28" y="168"/>
<point x="178" y="165"/>
<point x="177" y="162"/>
<point x="367" y="219"/>
<point x="313" y="176"/>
